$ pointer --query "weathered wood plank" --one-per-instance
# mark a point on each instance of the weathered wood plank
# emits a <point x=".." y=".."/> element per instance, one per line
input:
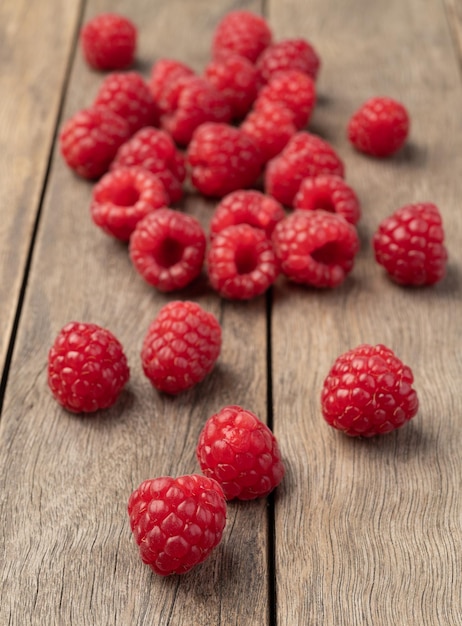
<point x="368" y="532"/>
<point x="35" y="45"/>
<point x="68" y="553"/>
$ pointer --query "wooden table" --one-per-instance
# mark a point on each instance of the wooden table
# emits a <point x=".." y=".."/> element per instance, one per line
<point x="361" y="531"/>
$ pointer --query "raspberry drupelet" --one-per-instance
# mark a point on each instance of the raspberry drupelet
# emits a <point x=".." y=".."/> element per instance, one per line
<point x="242" y="32"/>
<point x="167" y="248"/>
<point x="239" y="451"/>
<point x="181" y="347"/>
<point x="368" y="391"/>
<point x="177" y="522"/>
<point x="109" y="41"/>
<point x="330" y="193"/>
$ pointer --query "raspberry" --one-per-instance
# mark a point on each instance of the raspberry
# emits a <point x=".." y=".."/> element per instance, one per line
<point x="289" y="54"/>
<point x="123" y="197"/>
<point x="222" y="159"/>
<point x="247" y="207"/>
<point x="410" y="245"/>
<point x="90" y="139"/>
<point x="165" y="74"/>
<point x="315" y="248"/>
<point x="154" y="150"/>
<point x="379" y="127"/>
<point x="240" y="452"/>
<point x="330" y="193"/>
<point x="368" y="392"/>
<point x="181" y="347"/>
<point x="270" y="127"/>
<point x="177" y="522"/>
<point x="167" y="248"/>
<point x="128" y="95"/>
<point x="237" y="79"/>
<point x="87" y="368"/>
<point x="198" y="102"/>
<point x="292" y="89"/>
<point x="242" y="32"/>
<point x="109" y="41"/>
<point x="241" y="262"/>
<point x="305" y="156"/>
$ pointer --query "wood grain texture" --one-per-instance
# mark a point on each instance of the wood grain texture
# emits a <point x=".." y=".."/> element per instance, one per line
<point x="69" y="557"/>
<point x="369" y="532"/>
<point x="34" y="54"/>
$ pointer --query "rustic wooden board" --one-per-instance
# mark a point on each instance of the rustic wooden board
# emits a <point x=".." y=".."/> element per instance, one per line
<point x="68" y="555"/>
<point x="368" y="532"/>
<point x="34" y="55"/>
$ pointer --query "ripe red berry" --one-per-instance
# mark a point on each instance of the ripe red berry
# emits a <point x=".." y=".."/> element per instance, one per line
<point x="247" y="207"/>
<point x="167" y="248"/>
<point x="165" y="75"/>
<point x="109" y="41"/>
<point x="90" y="139"/>
<point x="123" y="197"/>
<point x="270" y="127"/>
<point x="306" y="155"/>
<point x="315" y="248"/>
<point x="289" y="54"/>
<point x="368" y="391"/>
<point x="242" y="32"/>
<point x="87" y="368"/>
<point x="410" y="245"/>
<point x="127" y="94"/>
<point x="181" y="347"/>
<point x="177" y="522"/>
<point x="198" y="102"/>
<point x="240" y="452"/>
<point x="241" y="262"/>
<point x="379" y="127"/>
<point x="330" y="193"/>
<point x="292" y="89"/>
<point x="154" y="150"/>
<point x="222" y="159"/>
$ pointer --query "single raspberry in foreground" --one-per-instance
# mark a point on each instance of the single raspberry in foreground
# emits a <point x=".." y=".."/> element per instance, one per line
<point x="181" y="346"/>
<point x="177" y="522"/>
<point x="109" y="41"/>
<point x="410" y="245"/>
<point x="87" y="368"/>
<point x="289" y="54"/>
<point x="330" y="193"/>
<point x="165" y="74"/>
<point x="368" y="391"/>
<point x="271" y="126"/>
<point x="167" y="248"/>
<point x="379" y="127"/>
<point x="241" y="32"/>
<point x="239" y="451"/>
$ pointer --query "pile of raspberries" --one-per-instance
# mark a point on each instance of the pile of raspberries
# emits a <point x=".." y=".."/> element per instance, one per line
<point x="236" y="133"/>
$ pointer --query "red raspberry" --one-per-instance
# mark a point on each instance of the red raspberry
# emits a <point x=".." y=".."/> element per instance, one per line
<point x="305" y="156"/>
<point x="87" y="368"/>
<point x="368" y="392"/>
<point x="177" y="522"/>
<point x="222" y="159"/>
<point x="123" y="197"/>
<point x="128" y="95"/>
<point x="165" y="74"/>
<point x="242" y="32"/>
<point x="198" y="102"/>
<point x="241" y="453"/>
<point x="241" y="262"/>
<point x="247" y="207"/>
<point x="237" y="79"/>
<point x="154" y="150"/>
<point x="379" y="127"/>
<point x="410" y="245"/>
<point x="270" y="127"/>
<point x="90" y="139"/>
<point x="315" y="248"/>
<point x="181" y="347"/>
<point x="289" y="54"/>
<point x="330" y="193"/>
<point x="292" y="89"/>
<point x="109" y="41"/>
<point x="167" y="248"/>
